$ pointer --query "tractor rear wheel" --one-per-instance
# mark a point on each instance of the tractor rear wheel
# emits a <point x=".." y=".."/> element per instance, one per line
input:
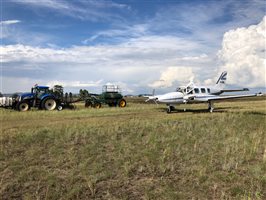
<point x="88" y="104"/>
<point x="122" y="103"/>
<point x="23" y="106"/>
<point x="97" y="105"/>
<point x="49" y="104"/>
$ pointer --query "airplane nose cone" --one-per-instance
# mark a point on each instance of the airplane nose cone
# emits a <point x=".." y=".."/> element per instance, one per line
<point x="170" y="97"/>
<point x="164" y="98"/>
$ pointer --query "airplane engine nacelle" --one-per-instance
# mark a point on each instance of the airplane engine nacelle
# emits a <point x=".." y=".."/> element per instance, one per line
<point x="188" y="98"/>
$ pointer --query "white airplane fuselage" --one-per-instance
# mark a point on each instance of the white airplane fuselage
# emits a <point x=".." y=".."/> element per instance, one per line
<point x="198" y="94"/>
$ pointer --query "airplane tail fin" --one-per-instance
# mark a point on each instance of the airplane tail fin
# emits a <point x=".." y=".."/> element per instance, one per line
<point x="221" y="81"/>
<point x="153" y="92"/>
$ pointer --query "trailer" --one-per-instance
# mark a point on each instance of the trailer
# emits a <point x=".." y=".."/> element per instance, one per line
<point x="6" y="102"/>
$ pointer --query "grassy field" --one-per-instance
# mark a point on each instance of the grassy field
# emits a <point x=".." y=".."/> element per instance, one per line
<point x="138" y="152"/>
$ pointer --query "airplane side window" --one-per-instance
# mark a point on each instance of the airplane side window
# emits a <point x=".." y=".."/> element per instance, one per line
<point x="196" y="90"/>
<point x="202" y="90"/>
<point x="208" y="89"/>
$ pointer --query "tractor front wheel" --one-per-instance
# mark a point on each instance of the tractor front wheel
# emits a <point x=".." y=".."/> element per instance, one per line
<point x="122" y="103"/>
<point x="49" y="104"/>
<point x="23" y="106"/>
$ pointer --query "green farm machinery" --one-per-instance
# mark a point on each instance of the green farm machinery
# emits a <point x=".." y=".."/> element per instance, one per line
<point x="111" y="95"/>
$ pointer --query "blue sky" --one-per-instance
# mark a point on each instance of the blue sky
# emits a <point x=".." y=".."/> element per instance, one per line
<point x="139" y="45"/>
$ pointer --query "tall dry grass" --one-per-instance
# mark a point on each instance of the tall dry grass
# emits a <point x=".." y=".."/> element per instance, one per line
<point x="139" y="152"/>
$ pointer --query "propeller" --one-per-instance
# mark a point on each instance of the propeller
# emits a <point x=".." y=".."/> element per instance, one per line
<point x="152" y="98"/>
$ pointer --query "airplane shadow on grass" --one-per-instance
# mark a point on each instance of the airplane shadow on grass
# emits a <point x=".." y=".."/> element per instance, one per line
<point x="255" y="113"/>
<point x="216" y="110"/>
<point x="195" y="111"/>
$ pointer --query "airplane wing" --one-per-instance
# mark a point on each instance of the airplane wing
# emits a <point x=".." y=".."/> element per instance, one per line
<point x="236" y="90"/>
<point x="216" y="98"/>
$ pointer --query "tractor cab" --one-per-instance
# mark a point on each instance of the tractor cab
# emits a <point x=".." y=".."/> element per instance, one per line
<point x="110" y="88"/>
<point x="38" y="91"/>
<point x="111" y="92"/>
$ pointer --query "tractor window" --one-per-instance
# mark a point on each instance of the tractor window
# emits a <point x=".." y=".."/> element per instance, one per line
<point x="111" y="88"/>
<point x="202" y="90"/>
<point x="42" y="91"/>
<point x="196" y="90"/>
<point x="208" y="89"/>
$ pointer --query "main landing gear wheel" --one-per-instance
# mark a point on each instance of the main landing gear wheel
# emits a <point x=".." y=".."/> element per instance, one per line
<point x="210" y="107"/>
<point x="122" y="103"/>
<point x="170" y="109"/>
<point x="23" y="106"/>
<point x="49" y="104"/>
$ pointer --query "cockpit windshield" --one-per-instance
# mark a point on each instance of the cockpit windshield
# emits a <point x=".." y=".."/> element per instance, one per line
<point x="186" y="89"/>
<point x="180" y="89"/>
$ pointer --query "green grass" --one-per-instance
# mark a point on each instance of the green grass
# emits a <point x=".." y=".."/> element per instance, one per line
<point x="138" y="152"/>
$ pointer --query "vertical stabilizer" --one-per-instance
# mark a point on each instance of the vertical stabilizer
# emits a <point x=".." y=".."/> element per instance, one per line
<point x="221" y="81"/>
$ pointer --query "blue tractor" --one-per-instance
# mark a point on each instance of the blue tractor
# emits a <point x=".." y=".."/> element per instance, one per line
<point x="40" y="97"/>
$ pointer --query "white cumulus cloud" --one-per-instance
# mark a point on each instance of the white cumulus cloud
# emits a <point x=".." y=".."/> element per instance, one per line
<point x="173" y="74"/>
<point x="243" y="54"/>
<point x="79" y="84"/>
<point x="135" y="64"/>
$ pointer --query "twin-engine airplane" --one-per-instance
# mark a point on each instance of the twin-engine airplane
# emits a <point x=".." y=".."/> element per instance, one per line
<point x="192" y="94"/>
